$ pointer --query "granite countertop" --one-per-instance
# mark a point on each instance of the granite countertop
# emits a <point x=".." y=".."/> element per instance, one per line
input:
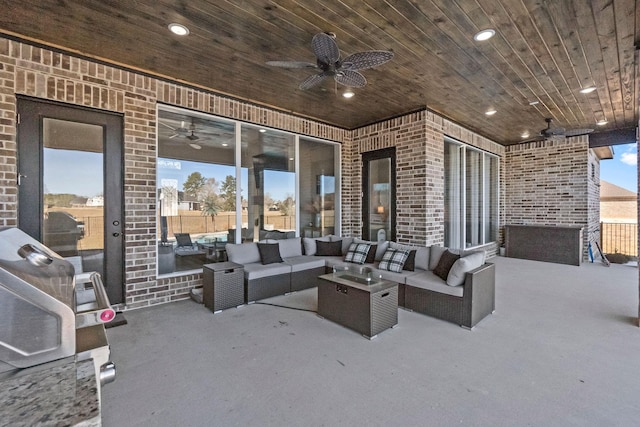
<point x="64" y="395"/>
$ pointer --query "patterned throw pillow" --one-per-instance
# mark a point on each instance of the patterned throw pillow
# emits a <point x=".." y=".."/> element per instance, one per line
<point x="357" y="253"/>
<point x="393" y="260"/>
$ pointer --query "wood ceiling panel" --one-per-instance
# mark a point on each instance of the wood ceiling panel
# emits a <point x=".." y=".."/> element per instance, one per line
<point x="543" y="50"/>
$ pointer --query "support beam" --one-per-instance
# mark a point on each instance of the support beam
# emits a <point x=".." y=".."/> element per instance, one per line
<point x="613" y="137"/>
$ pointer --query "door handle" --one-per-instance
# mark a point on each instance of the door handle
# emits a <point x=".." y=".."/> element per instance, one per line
<point x="116" y="234"/>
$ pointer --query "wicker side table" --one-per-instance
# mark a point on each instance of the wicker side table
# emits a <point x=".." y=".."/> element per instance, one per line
<point x="222" y="285"/>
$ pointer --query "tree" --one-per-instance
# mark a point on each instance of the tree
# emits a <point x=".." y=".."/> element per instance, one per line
<point x="211" y="207"/>
<point x="228" y="189"/>
<point x="194" y="184"/>
<point x="286" y="206"/>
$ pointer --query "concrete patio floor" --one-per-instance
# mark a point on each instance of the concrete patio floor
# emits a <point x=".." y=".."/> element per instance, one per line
<point x="562" y="349"/>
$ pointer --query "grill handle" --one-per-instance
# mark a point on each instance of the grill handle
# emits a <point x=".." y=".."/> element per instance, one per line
<point x="101" y="312"/>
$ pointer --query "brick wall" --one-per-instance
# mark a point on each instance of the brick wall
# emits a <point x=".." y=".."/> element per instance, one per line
<point x="547" y="183"/>
<point x="41" y="73"/>
<point x="419" y="141"/>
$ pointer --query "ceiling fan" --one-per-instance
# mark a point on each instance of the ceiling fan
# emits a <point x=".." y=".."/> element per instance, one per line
<point x="550" y="132"/>
<point x="189" y="133"/>
<point x="328" y="63"/>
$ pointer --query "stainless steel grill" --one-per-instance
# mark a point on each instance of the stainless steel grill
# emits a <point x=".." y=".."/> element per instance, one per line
<point x="47" y="312"/>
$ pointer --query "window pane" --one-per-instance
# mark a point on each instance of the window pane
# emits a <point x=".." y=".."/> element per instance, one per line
<point x="473" y="197"/>
<point x="453" y="195"/>
<point x="196" y="190"/>
<point x="268" y="175"/>
<point x="318" y="185"/>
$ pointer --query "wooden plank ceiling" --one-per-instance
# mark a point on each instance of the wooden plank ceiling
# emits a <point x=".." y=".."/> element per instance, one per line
<point x="543" y="50"/>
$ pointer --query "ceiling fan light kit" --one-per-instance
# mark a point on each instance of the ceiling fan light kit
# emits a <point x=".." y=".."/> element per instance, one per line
<point x="328" y="63"/>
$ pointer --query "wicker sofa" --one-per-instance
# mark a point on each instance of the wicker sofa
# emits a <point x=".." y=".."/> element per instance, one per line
<point x="465" y="298"/>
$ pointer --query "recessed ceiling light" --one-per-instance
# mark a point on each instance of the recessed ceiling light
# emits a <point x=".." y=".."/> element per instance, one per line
<point x="348" y="94"/>
<point x="525" y="135"/>
<point x="534" y="103"/>
<point x="178" y="29"/>
<point x="484" y="35"/>
<point x="602" y="122"/>
<point x="491" y="112"/>
<point x="195" y="146"/>
<point x="224" y="144"/>
<point x="291" y="158"/>
<point x="262" y="130"/>
<point x="588" y="89"/>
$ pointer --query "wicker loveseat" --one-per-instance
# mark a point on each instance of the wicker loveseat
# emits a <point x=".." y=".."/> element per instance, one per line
<point x="465" y="298"/>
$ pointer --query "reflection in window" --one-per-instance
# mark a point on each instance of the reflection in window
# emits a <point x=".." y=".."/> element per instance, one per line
<point x="268" y="184"/>
<point x="318" y="188"/>
<point x="196" y="186"/>
<point x="471" y="196"/>
<point x="196" y="190"/>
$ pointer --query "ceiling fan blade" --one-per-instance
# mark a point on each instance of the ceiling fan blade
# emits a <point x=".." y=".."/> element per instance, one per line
<point x="312" y="81"/>
<point x="350" y="78"/>
<point x="577" y="132"/>
<point x="291" y="64"/>
<point x="364" y="60"/>
<point x="325" y="48"/>
<point x="166" y="125"/>
<point x="174" y="135"/>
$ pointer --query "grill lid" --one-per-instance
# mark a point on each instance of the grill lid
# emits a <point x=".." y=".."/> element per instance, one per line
<point x="37" y="301"/>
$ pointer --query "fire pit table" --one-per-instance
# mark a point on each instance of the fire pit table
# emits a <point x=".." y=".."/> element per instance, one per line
<point x="355" y="299"/>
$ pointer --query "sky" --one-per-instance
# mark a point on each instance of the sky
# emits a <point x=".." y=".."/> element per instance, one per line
<point x="622" y="170"/>
<point x="279" y="185"/>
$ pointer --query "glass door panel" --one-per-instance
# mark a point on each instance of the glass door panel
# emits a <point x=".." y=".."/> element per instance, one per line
<point x="379" y="195"/>
<point x="73" y="199"/>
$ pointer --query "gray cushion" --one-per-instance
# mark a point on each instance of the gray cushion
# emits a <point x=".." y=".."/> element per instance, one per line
<point x="257" y="270"/>
<point x="422" y="258"/>
<point x="243" y="253"/>
<point x="303" y="262"/>
<point x="428" y="280"/>
<point x="310" y="244"/>
<point x="346" y="242"/>
<point x="462" y="266"/>
<point x="290" y="247"/>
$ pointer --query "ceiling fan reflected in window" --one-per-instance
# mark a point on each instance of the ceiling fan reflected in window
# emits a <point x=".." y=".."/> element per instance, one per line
<point x="188" y="133"/>
<point x="550" y="132"/>
<point x="329" y="64"/>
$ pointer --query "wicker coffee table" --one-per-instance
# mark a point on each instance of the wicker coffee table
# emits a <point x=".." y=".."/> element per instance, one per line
<point x="354" y="299"/>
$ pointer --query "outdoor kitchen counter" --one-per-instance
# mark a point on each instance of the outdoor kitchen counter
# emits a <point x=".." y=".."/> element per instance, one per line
<point x="64" y="395"/>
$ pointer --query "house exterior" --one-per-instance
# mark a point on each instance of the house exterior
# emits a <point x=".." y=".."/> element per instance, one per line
<point x="617" y="204"/>
<point x="553" y="182"/>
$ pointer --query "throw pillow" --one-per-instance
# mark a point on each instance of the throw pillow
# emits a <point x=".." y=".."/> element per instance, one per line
<point x="371" y="256"/>
<point x="393" y="260"/>
<point x="462" y="266"/>
<point x="357" y="253"/>
<point x="269" y="253"/>
<point x="329" y="248"/>
<point x="410" y="263"/>
<point x="447" y="259"/>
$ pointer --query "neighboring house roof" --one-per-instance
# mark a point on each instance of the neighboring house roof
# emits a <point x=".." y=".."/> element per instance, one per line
<point x="612" y="192"/>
